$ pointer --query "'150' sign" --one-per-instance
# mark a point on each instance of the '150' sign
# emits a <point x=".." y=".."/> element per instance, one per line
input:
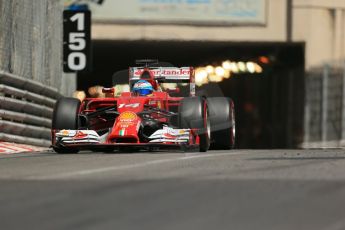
<point x="76" y="41"/>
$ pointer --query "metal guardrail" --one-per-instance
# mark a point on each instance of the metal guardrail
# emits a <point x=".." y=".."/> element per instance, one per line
<point x="26" y="109"/>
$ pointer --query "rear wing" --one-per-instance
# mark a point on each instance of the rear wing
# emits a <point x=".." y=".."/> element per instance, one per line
<point x="164" y="74"/>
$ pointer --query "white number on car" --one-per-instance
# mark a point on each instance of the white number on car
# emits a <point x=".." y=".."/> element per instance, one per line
<point x="134" y="105"/>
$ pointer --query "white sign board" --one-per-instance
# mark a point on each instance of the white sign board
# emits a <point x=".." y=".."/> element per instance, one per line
<point x="208" y="12"/>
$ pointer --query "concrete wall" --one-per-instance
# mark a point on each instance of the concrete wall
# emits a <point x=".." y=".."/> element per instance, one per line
<point x="321" y="25"/>
<point x="31" y="42"/>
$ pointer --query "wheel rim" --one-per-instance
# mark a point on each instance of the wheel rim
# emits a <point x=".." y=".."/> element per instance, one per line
<point x="208" y="125"/>
<point x="233" y="128"/>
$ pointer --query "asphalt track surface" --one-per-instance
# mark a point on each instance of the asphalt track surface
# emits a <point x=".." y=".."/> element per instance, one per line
<point x="238" y="189"/>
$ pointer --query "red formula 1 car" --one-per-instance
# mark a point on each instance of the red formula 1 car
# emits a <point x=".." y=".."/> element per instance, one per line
<point x="159" y="120"/>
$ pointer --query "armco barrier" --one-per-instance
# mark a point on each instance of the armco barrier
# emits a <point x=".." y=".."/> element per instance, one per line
<point x="26" y="109"/>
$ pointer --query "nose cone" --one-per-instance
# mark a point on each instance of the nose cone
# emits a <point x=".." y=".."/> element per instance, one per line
<point x="125" y="129"/>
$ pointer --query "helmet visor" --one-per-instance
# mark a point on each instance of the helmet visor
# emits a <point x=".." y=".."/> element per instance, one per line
<point x="144" y="91"/>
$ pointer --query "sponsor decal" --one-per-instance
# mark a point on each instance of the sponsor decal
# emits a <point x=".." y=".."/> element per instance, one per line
<point x="127" y="116"/>
<point x="66" y="133"/>
<point x="183" y="131"/>
<point x="80" y="135"/>
<point x="168" y="134"/>
<point x="168" y="71"/>
<point x="122" y="132"/>
<point x="126" y="124"/>
<point x="77" y="136"/>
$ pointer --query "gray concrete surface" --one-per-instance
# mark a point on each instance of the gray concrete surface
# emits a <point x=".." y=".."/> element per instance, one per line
<point x="239" y="189"/>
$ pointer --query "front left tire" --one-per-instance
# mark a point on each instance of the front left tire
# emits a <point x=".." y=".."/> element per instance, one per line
<point x="193" y="114"/>
<point x="65" y="116"/>
<point x="223" y="125"/>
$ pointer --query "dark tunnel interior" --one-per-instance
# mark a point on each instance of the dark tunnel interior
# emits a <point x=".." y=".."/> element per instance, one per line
<point x="269" y="105"/>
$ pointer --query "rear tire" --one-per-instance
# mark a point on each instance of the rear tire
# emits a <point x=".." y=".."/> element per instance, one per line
<point x="65" y="116"/>
<point x="223" y="125"/>
<point x="193" y="114"/>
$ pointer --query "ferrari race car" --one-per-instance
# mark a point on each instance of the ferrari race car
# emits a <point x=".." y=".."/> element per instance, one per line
<point x="154" y="121"/>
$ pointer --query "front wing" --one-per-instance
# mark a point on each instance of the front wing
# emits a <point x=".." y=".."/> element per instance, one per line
<point x="166" y="138"/>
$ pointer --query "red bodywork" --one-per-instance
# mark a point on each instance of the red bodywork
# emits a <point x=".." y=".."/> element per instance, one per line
<point x="128" y="107"/>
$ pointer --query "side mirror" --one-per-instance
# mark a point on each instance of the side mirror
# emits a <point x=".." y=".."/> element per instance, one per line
<point x="109" y="92"/>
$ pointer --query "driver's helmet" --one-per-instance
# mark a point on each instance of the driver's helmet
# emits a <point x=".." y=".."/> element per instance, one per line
<point x="142" y="88"/>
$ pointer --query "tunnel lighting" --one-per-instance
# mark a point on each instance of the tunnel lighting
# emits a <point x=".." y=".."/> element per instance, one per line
<point x="250" y="67"/>
<point x="79" y="95"/>
<point x="200" y="76"/>
<point x="264" y="59"/>
<point x="121" y="88"/>
<point x="258" y="68"/>
<point x="219" y="71"/>
<point x="96" y="91"/>
<point x="227" y="74"/>
<point x="241" y="66"/>
<point x="226" y="65"/>
<point x="169" y="85"/>
<point x="202" y="82"/>
<point x="209" y="69"/>
<point x="215" y="78"/>
<point x="92" y="90"/>
<point x="209" y="73"/>
<point x="233" y="67"/>
<point x="201" y="73"/>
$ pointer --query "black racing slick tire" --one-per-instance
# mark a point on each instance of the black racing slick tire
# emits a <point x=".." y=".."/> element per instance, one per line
<point x="65" y="116"/>
<point x="193" y="114"/>
<point x="223" y="125"/>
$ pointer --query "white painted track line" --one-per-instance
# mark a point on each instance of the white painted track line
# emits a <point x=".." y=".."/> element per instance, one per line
<point x="190" y="156"/>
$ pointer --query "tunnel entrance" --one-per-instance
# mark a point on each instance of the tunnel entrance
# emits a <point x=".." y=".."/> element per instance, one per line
<point x="269" y="104"/>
